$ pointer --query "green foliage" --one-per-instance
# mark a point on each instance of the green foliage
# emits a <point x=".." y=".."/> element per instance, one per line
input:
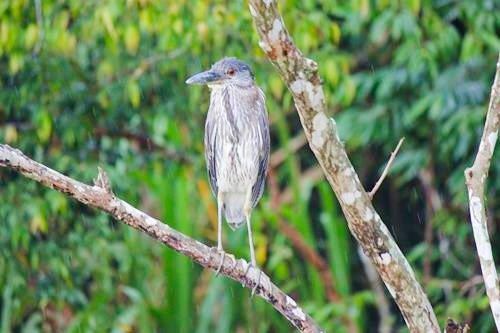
<point x="85" y="81"/>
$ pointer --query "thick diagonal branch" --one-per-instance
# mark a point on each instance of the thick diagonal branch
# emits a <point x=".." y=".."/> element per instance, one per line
<point x="301" y="76"/>
<point x="100" y="196"/>
<point x="475" y="179"/>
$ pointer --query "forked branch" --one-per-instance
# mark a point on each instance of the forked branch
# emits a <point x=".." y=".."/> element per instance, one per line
<point x="101" y="196"/>
<point x="301" y="76"/>
<point x="475" y="179"/>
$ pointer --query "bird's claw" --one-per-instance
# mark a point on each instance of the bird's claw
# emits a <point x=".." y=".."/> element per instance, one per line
<point x="220" y="265"/>
<point x="221" y="252"/>
<point x="254" y="289"/>
<point x="223" y="256"/>
<point x="256" y="284"/>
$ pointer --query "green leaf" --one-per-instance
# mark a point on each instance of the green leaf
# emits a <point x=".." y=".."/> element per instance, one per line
<point x="43" y="123"/>
<point x="132" y="39"/>
<point x="134" y="93"/>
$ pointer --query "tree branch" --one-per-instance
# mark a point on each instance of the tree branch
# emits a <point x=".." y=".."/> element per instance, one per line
<point x="301" y="76"/>
<point x="103" y="199"/>
<point x="386" y="169"/>
<point x="475" y="178"/>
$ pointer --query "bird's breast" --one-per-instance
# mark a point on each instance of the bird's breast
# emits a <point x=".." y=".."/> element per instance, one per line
<point x="236" y="158"/>
<point x="237" y="140"/>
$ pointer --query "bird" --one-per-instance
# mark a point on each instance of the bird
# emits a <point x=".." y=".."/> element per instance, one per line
<point x="237" y="144"/>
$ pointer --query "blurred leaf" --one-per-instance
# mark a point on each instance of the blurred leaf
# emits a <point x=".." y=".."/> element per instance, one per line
<point x="134" y="93"/>
<point x="44" y="125"/>
<point x="132" y="39"/>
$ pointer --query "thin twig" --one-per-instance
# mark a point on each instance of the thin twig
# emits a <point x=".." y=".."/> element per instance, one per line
<point x="475" y="179"/>
<point x="103" y="199"/>
<point x="471" y="283"/>
<point x="41" y="30"/>
<point x="386" y="169"/>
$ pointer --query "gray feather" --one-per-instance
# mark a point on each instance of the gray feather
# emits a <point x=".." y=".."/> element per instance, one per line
<point x="210" y="146"/>
<point x="237" y="147"/>
<point x="263" y="127"/>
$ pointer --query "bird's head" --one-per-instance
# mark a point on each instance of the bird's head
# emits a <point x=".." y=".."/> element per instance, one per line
<point x="225" y="72"/>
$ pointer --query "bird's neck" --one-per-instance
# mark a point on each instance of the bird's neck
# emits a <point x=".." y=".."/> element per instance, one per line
<point x="235" y="105"/>
<point x="232" y="88"/>
<point x="235" y="98"/>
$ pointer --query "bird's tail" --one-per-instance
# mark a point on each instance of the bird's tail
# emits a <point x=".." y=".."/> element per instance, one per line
<point x="233" y="209"/>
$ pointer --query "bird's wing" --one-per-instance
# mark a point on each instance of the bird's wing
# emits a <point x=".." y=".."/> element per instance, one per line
<point x="264" y="143"/>
<point x="210" y="151"/>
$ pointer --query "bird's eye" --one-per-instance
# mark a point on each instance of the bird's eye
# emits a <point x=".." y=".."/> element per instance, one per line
<point x="231" y="71"/>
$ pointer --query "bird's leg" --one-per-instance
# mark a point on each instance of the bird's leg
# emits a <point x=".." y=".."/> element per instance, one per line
<point x="247" y="211"/>
<point x="250" y="242"/>
<point x="252" y="255"/>
<point x="220" y="204"/>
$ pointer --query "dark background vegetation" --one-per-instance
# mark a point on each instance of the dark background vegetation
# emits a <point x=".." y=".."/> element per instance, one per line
<point x="90" y="83"/>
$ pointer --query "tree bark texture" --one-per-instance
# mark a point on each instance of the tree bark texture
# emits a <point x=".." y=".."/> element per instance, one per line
<point x="302" y="79"/>
<point x="475" y="179"/>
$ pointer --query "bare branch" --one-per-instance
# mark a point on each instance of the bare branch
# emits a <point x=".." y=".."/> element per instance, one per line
<point x="103" y="199"/>
<point x="386" y="169"/>
<point x="102" y="180"/>
<point x="301" y="76"/>
<point x="475" y="179"/>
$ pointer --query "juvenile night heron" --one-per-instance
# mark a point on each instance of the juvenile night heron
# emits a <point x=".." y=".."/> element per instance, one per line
<point x="236" y="143"/>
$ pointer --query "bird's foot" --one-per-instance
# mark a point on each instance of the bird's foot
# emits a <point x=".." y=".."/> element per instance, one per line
<point x="223" y="255"/>
<point x="257" y="283"/>
<point x="220" y="252"/>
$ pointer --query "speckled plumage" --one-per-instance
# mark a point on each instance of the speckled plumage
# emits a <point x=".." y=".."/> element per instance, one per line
<point x="237" y="147"/>
<point x="236" y="143"/>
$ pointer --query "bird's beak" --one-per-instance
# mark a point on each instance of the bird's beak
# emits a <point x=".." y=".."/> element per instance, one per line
<point x="206" y="77"/>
